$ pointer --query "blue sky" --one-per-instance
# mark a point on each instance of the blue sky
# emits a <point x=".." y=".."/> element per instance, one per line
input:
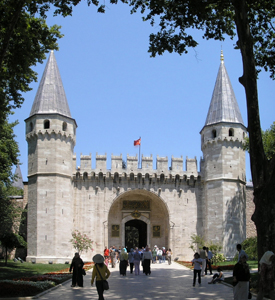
<point x="117" y="93"/>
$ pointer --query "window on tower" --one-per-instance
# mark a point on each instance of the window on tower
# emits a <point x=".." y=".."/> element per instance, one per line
<point x="214" y="133"/>
<point x="46" y="124"/>
<point x="231" y="132"/>
<point x="64" y="126"/>
<point x="31" y="127"/>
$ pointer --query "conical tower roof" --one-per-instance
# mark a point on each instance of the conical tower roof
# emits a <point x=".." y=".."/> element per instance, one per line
<point x="18" y="182"/>
<point x="50" y="97"/>
<point x="223" y="106"/>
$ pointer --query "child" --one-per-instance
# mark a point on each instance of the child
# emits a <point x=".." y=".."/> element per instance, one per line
<point x="197" y="263"/>
<point x="217" y="276"/>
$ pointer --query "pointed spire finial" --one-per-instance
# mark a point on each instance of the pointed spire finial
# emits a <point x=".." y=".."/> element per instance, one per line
<point x="222" y="58"/>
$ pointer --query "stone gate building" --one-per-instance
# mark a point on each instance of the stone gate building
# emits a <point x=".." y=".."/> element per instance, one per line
<point x="127" y="205"/>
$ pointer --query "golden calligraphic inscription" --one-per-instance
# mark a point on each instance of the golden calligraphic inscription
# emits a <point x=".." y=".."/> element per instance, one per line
<point x="136" y="214"/>
<point x="141" y="205"/>
<point x="115" y="230"/>
<point x="156" y="231"/>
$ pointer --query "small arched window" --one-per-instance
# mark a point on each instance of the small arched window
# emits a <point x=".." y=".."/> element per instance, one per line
<point x="64" y="126"/>
<point x="214" y="133"/>
<point x="85" y="175"/>
<point x="231" y="132"/>
<point x="46" y="124"/>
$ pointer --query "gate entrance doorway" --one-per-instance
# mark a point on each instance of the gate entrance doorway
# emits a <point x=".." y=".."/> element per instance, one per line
<point x="135" y="234"/>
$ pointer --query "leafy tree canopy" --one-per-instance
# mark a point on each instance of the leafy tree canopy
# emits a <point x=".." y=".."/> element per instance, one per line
<point x="214" y="18"/>
<point x="268" y="142"/>
<point x="9" y="152"/>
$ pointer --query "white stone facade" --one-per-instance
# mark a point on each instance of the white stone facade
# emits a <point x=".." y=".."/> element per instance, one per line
<point x="161" y="206"/>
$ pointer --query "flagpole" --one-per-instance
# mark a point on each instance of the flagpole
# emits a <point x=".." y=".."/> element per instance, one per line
<point x="139" y="153"/>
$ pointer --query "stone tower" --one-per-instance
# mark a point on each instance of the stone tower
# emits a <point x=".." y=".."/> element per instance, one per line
<point x="224" y="167"/>
<point x="50" y="133"/>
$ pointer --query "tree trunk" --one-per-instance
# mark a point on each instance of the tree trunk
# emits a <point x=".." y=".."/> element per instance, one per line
<point x="6" y="256"/>
<point x="262" y="170"/>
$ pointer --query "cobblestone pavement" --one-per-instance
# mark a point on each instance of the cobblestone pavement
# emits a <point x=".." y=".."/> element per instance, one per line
<point x="165" y="282"/>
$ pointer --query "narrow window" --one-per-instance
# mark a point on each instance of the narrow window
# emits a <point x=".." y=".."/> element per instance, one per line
<point x="64" y="126"/>
<point x="231" y="132"/>
<point x="46" y="124"/>
<point x="214" y="133"/>
<point x="31" y="127"/>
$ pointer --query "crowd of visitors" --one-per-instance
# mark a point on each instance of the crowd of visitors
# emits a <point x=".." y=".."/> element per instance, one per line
<point x="202" y="263"/>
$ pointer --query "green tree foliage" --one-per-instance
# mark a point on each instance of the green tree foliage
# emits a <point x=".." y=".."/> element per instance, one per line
<point x="268" y="142"/>
<point x="9" y="241"/>
<point x="198" y="242"/>
<point x="25" y="38"/>
<point x="8" y="153"/>
<point x="252" y="23"/>
<point x="250" y="247"/>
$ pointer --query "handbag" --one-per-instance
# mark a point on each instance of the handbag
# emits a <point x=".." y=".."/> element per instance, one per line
<point x="105" y="282"/>
<point x="83" y="272"/>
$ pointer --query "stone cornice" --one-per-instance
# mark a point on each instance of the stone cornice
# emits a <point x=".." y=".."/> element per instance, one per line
<point x="49" y="174"/>
<point x="225" y="179"/>
<point x="218" y="139"/>
<point x="51" y="133"/>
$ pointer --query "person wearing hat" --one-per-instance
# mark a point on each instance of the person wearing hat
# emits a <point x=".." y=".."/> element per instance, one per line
<point x="100" y="272"/>
<point x="77" y="266"/>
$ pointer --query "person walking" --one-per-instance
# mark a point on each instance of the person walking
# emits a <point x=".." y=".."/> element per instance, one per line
<point x="101" y="273"/>
<point x="113" y="258"/>
<point x="266" y="283"/>
<point x="131" y="260"/>
<point x="208" y="261"/>
<point x="123" y="262"/>
<point x="169" y="256"/>
<point x="163" y="254"/>
<point x="77" y="267"/>
<point x="106" y="252"/>
<point x="159" y="255"/>
<point x="154" y="254"/>
<point x="137" y="258"/>
<point x="197" y="263"/>
<point x="241" y="277"/>
<point x="146" y="259"/>
<point x="241" y="252"/>
<point x="203" y="256"/>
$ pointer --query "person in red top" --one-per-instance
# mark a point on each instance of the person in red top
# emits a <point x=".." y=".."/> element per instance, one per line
<point x="106" y="252"/>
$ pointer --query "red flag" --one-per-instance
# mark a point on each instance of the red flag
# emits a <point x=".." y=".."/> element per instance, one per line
<point x="137" y="142"/>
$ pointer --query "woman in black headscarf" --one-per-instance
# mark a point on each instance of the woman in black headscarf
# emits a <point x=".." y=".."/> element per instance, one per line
<point x="77" y="266"/>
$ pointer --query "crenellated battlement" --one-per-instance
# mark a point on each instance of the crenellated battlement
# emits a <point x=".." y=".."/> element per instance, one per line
<point x="219" y="139"/>
<point x="119" y="166"/>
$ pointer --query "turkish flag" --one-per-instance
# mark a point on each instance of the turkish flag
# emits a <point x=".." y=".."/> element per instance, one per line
<point x="137" y="142"/>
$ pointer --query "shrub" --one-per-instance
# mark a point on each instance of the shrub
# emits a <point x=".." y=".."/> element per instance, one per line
<point x="218" y="257"/>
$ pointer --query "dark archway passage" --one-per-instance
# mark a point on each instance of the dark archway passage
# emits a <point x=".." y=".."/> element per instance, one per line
<point x="135" y="234"/>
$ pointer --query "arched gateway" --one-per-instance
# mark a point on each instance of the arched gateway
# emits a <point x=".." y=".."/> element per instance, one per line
<point x="138" y="218"/>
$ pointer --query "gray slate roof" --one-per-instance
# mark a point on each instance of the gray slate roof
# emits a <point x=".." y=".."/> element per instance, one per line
<point x="50" y="96"/>
<point x="18" y="182"/>
<point x="223" y="106"/>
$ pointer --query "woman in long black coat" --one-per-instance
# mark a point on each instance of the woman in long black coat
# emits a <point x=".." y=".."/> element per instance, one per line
<point x="77" y="266"/>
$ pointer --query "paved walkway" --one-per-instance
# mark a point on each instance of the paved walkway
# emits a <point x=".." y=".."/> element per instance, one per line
<point x="165" y="282"/>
